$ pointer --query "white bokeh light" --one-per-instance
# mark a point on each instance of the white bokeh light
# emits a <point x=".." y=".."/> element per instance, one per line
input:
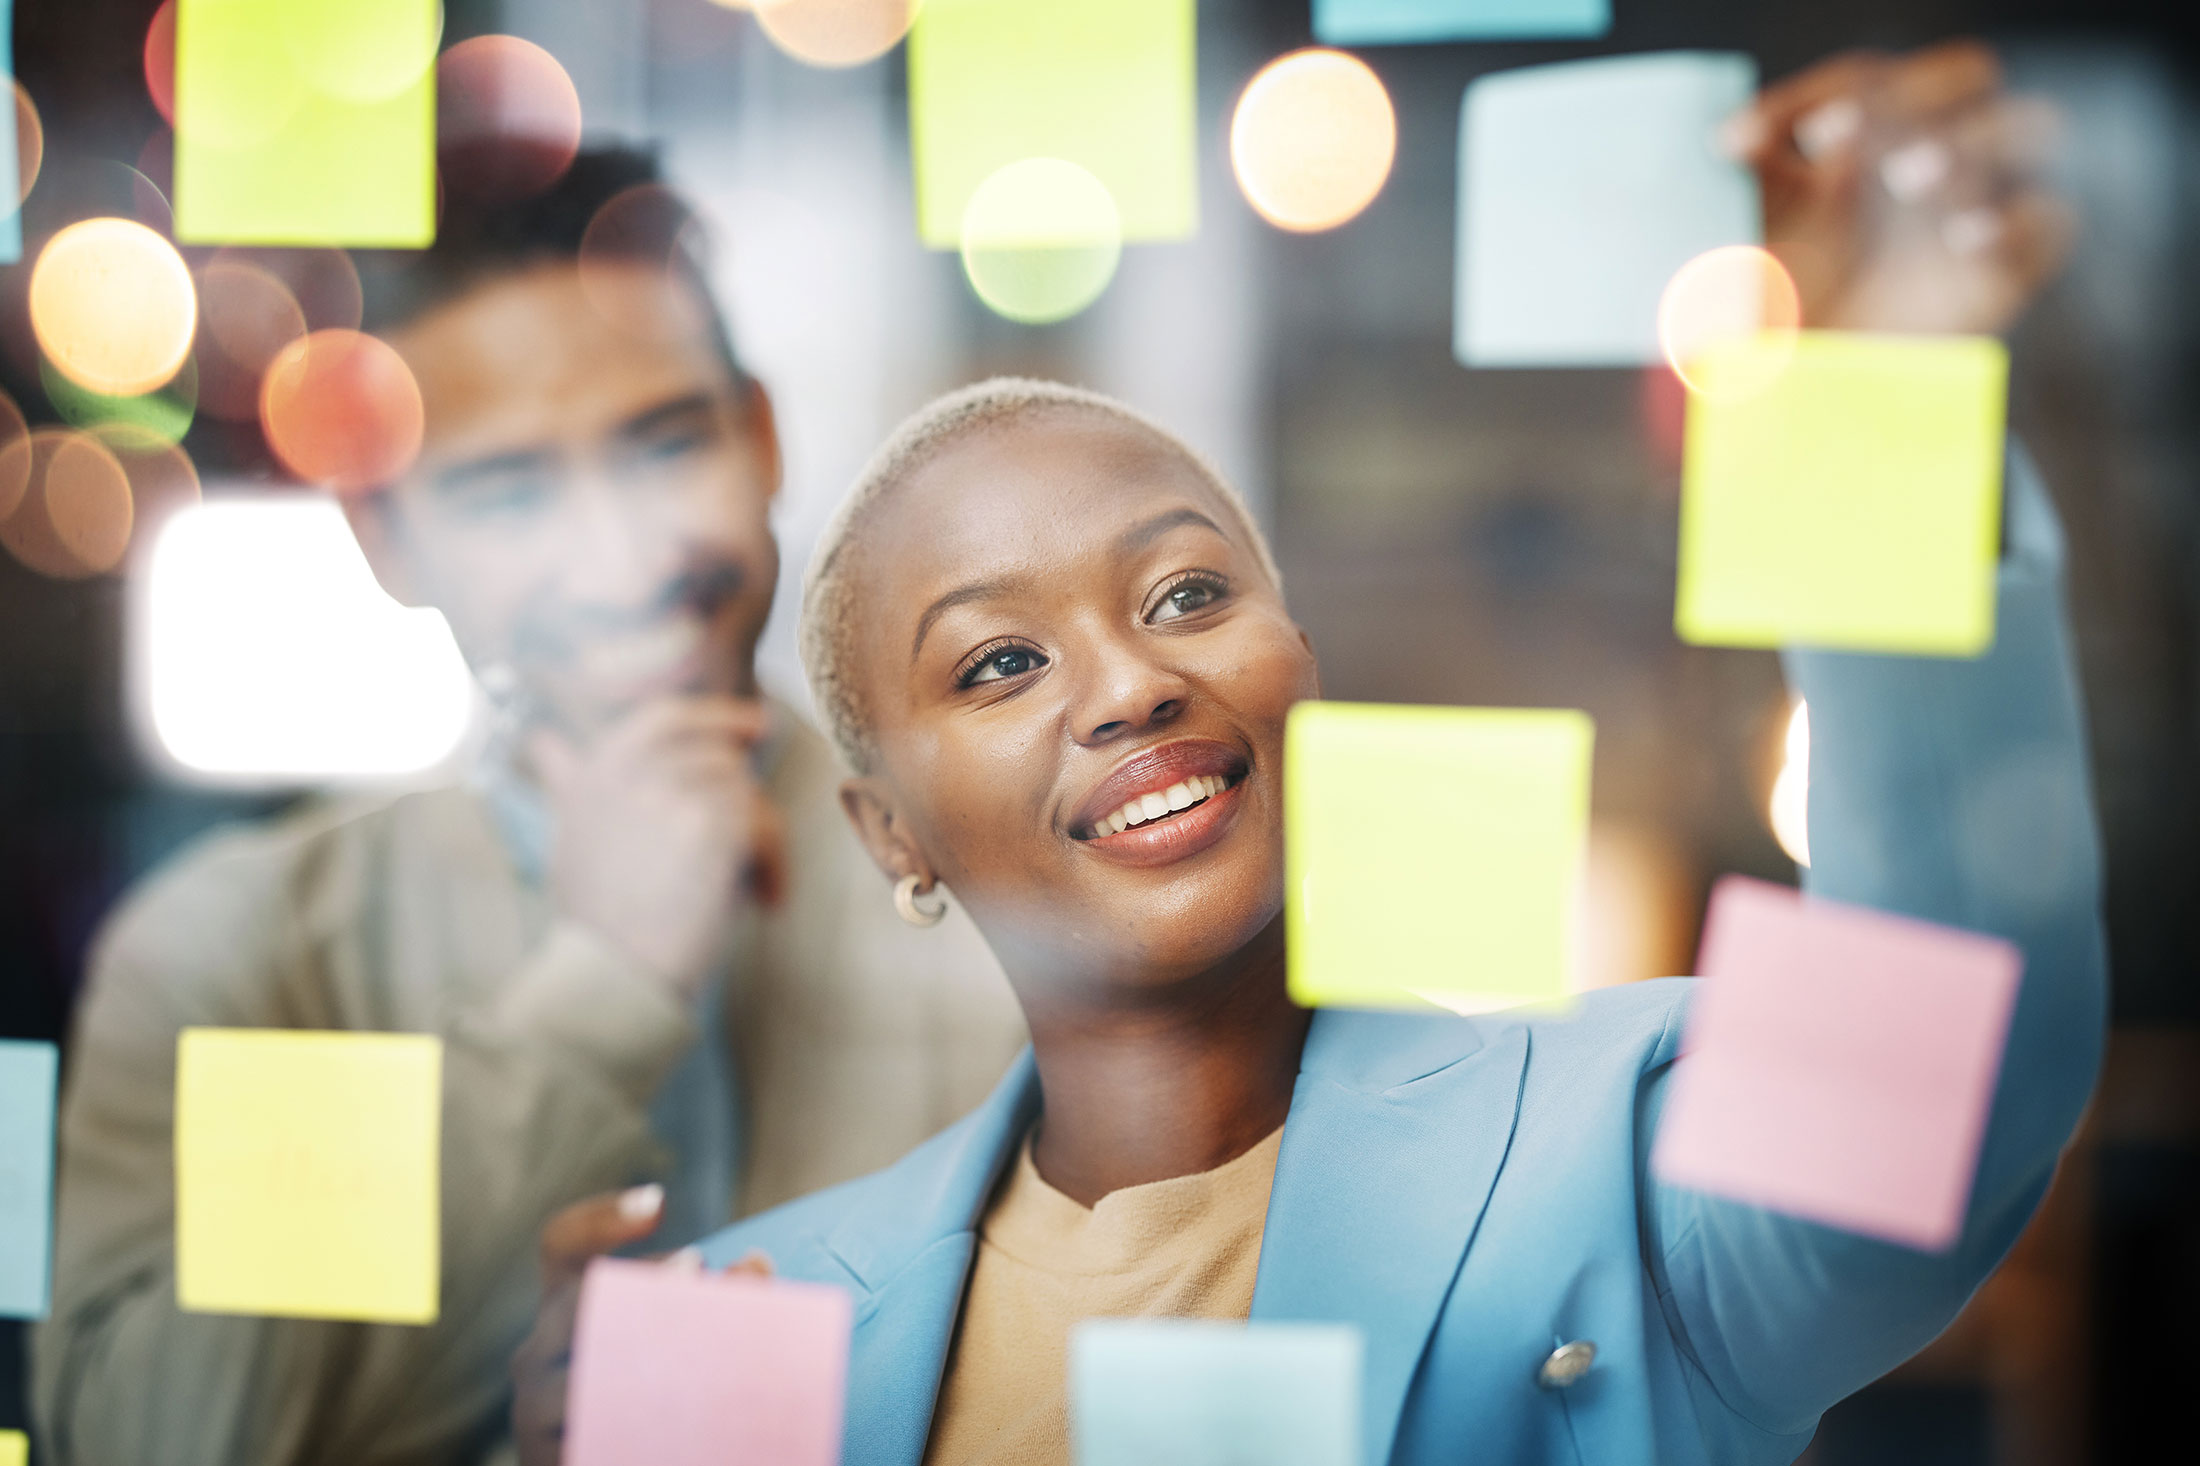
<point x="268" y="653"/>
<point x="1789" y="808"/>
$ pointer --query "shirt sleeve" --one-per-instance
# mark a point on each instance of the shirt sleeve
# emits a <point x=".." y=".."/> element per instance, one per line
<point x="544" y="1101"/>
<point x="1955" y="791"/>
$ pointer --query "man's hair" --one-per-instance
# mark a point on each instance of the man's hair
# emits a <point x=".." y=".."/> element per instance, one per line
<point x="479" y="241"/>
<point x="829" y="589"/>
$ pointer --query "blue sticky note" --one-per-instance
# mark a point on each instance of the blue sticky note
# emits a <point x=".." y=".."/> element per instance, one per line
<point x="11" y="184"/>
<point x="1583" y="187"/>
<point x="1385" y="22"/>
<point x="28" y="1074"/>
<point x="1191" y="1392"/>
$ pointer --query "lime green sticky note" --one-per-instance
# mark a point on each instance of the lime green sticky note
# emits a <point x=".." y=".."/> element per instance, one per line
<point x="1432" y="855"/>
<point x="306" y="1180"/>
<point x="15" y="1448"/>
<point x="1106" y="84"/>
<point x="1848" y="496"/>
<point x="307" y="122"/>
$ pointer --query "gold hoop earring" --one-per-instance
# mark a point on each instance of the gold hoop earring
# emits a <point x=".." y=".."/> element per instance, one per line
<point x="906" y="907"/>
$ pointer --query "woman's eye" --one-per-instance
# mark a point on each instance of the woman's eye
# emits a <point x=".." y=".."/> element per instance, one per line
<point x="1011" y="661"/>
<point x="1191" y="596"/>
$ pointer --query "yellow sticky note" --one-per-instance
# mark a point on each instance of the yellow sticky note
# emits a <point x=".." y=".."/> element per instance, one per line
<point x="306" y="1180"/>
<point x="15" y="1448"/>
<point x="1432" y="855"/>
<point x="1850" y="497"/>
<point x="1106" y="84"/>
<point x="308" y="122"/>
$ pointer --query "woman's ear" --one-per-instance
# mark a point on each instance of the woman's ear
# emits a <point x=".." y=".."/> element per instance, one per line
<point x="883" y="832"/>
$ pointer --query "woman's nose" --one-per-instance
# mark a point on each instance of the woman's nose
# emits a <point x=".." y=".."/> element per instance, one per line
<point x="1125" y="694"/>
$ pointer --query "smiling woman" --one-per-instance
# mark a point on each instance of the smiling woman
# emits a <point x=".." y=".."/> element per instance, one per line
<point x="1055" y="649"/>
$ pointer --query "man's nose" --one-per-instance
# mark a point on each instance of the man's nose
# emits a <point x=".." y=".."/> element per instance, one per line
<point x="1125" y="690"/>
<point x="618" y="555"/>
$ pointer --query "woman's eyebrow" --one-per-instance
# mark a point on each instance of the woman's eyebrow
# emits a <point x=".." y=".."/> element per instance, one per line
<point x="1146" y="531"/>
<point x="977" y="590"/>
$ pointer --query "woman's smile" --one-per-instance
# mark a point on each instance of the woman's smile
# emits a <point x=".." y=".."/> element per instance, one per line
<point x="1163" y="803"/>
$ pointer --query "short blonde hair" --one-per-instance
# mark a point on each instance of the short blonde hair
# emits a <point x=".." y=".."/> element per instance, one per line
<point x="828" y="591"/>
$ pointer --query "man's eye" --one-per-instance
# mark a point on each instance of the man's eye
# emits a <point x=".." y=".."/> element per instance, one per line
<point x="1011" y="661"/>
<point x="1193" y="595"/>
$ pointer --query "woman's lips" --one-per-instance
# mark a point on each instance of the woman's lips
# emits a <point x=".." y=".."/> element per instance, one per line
<point x="1173" y="836"/>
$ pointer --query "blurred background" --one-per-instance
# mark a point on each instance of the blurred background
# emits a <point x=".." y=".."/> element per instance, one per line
<point x="1493" y="537"/>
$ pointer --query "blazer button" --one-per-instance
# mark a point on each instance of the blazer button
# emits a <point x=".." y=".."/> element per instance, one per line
<point x="1567" y="1364"/>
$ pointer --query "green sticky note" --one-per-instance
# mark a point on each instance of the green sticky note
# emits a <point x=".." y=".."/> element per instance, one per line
<point x="1106" y="84"/>
<point x="306" y="1173"/>
<point x="306" y="122"/>
<point x="1432" y="855"/>
<point x="1846" y="496"/>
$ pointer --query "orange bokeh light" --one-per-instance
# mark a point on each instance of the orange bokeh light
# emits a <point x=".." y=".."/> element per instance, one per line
<point x="341" y="408"/>
<point x="1313" y="139"/>
<point x="508" y="119"/>
<point x="30" y="144"/>
<point x="112" y="306"/>
<point x="1723" y="297"/>
<point x="835" y="32"/>
<point x="160" y="61"/>
<point x="76" y="512"/>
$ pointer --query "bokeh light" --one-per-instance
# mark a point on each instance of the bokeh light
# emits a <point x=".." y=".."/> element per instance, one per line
<point x="1727" y="297"/>
<point x="165" y="413"/>
<point x="341" y="408"/>
<point x="75" y="514"/>
<point x="112" y="306"/>
<point x="631" y="253"/>
<point x="163" y="479"/>
<point x="835" y="32"/>
<point x="160" y="61"/>
<point x="30" y="144"/>
<point x="15" y="467"/>
<point x="246" y="317"/>
<point x="1040" y="240"/>
<point x="508" y="119"/>
<point x="1313" y="139"/>
<point x="1788" y="810"/>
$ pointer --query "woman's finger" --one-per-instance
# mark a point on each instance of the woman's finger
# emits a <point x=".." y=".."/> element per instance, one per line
<point x="590" y="1229"/>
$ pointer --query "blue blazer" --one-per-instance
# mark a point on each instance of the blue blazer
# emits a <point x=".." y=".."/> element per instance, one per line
<point x="1473" y="1192"/>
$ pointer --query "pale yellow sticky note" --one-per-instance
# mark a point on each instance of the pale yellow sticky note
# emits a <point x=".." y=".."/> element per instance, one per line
<point x="306" y="1173"/>
<point x="1849" y="496"/>
<point x="1109" y="85"/>
<point x="15" y="1448"/>
<point x="1432" y="855"/>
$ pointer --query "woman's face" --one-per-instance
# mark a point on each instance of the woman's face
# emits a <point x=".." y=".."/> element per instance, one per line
<point x="1076" y="675"/>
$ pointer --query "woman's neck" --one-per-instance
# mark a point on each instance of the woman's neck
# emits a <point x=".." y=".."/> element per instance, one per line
<point x="1180" y="1086"/>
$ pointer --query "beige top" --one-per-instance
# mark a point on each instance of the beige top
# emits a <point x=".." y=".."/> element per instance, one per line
<point x="857" y="1037"/>
<point x="1182" y="1248"/>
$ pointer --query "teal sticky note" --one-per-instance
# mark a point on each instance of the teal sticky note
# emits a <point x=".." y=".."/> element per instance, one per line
<point x="1394" y="22"/>
<point x="306" y="122"/>
<point x="1192" y="1392"/>
<point x="11" y="183"/>
<point x="1583" y="187"/>
<point x="28" y="1074"/>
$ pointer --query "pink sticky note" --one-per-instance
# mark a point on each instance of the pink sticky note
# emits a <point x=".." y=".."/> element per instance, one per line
<point x="700" y="1369"/>
<point x="1839" y="1063"/>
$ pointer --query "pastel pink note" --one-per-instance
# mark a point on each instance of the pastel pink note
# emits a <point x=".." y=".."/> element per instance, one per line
<point x="1839" y="1063"/>
<point x="701" y="1369"/>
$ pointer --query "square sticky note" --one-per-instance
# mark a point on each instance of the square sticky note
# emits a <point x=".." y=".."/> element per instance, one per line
<point x="1846" y="496"/>
<point x="1105" y="84"/>
<point x="306" y="1173"/>
<point x="1198" y="1393"/>
<point x="1583" y="187"/>
<point x="1382" y="22"/>
<point x="701" y="1369"/>
<point x="310" y="124"/>
<point x="1432" y="854"/>
<point x="15" y="1448"/>
<point x="1839" y="1063"/>
<point x="28" y="1074"/>
<point x="11" y="212"/>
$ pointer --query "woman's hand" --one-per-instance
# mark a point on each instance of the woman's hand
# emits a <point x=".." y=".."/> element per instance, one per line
<point x="1904" y="193"/>
<point x="572" y="1240"/>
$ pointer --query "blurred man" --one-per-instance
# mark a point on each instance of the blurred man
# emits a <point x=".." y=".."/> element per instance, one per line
<point x="647" y="891"/>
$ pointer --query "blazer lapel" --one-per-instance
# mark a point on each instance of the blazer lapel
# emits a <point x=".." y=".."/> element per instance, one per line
<point x="1397" y="1130"/>
<point x="910" y="1250"/>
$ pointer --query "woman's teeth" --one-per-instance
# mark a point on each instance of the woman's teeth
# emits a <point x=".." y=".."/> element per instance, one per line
<point x="1153" y="806"/>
